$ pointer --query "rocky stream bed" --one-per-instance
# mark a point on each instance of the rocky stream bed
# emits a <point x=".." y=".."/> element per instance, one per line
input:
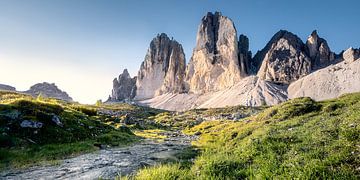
<point x="108" y="163"/>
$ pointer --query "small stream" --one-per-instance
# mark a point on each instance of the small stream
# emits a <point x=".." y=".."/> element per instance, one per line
<point x="108" y="163"/>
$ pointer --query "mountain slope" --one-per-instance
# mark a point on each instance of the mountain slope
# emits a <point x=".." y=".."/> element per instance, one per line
<point x="250" y="91"/>
<point x="33" y="131"/>
<point x="298" y="139"/>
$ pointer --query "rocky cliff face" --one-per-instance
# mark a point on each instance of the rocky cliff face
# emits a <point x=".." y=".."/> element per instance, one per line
<point x="244" y="54"/>
<point x="351" y="54"/>
<point x="283" y="60"/>
<point x="214" y="64"/>
<point x="318" y="51"/>
<point x="124" y="87"/>
<point x="163" y="69"/>
<point x="48" y="90"/>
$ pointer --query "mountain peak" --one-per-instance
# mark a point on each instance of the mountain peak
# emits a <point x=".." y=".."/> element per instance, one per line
<point x="163" y="68"/>
<point x="48" y="90"/>
<point x="283" y="59"/>
<point x="215" y="56"/>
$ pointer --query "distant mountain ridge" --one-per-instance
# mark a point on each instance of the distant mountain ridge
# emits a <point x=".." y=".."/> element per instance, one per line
<point x="222" y="71"/>
<point x="44" y="89"/>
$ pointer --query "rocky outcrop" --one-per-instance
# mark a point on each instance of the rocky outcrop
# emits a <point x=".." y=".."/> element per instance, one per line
<point x="214" y="64"/>
<point x="351" y="54"/>
<point x="48" y="90"/>
<point x="124" y="87"/>
<point x="329" y="82"/>
<point x="283" y="59"/>
<point x="4" y="87"/>
<point x="244" y="54"/>
<point x="163" y="69"/>
<point x="318" y="51"/>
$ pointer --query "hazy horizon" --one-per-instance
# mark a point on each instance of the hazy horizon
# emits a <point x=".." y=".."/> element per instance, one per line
<point x="82" y="46"/>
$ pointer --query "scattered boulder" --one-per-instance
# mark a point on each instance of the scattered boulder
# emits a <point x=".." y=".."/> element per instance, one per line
<point x="237" y="116"/>
<point x="56" y="120"/>
<point x="128" y="120"/>
<point x="31" y="124"/>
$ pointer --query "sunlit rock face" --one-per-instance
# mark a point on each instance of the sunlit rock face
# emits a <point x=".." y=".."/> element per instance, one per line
<point x="124" y="87"/>
<point x="351" y="55"/>
<point x="318" y="51"/>
<point x="214" y="64"/>
<point x="163" y="69"/>
<point x="283" y="60"/>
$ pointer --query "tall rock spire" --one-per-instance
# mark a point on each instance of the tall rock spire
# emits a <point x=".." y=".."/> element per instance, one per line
<point x="319" y="51"/>
<point x="123" y="87"/>
<point x="214" y="64"/>
<point x="163" y="69"/>
<point x="244" y="55"/>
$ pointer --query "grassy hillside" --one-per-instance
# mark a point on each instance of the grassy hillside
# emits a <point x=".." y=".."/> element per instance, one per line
<point x="187" y="119"/>
<point x="38" y="130"/>
<point x="299" y="139"/>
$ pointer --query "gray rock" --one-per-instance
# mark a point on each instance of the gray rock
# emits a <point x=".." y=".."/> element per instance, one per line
<point x="13" y="114"/>
<point x="56" y="120"/>
<point x="31" y="124"/>
<point x="237" y="116"/>
<point x="214" y="64"/>
<point x="351" y="54"/>
<point x="48" y="90"/>
<point x="283" y="59"/>
<point x="163" y="69"/>
<point x="129" y="120"/>
<point x="319" y="51"/>
<point x="124" y="87"/>
<point x="244" y="54"/>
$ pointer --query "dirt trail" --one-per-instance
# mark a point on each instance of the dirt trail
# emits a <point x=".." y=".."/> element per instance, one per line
<point x="108" y="163"/>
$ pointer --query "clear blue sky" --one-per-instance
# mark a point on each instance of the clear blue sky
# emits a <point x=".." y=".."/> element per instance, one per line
<point x="81" y="45"/>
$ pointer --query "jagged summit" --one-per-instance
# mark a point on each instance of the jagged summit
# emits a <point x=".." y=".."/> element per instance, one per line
<point x="163" y="69"/>
<point x="283" y="60"/>
<point x="319" y="51"/>
<point x="214" y="63"/>
<point x="123" y="87"/>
